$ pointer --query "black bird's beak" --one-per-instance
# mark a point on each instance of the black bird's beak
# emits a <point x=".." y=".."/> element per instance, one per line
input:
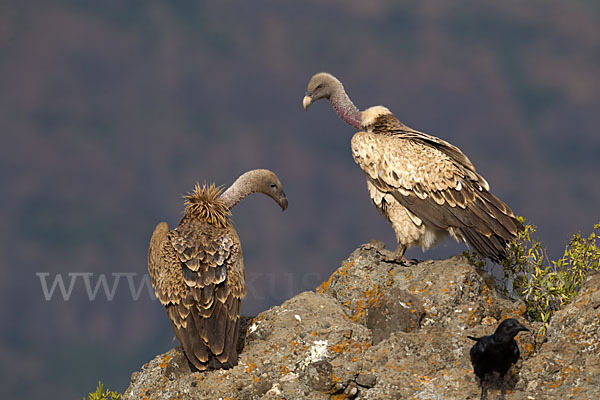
<point x="283" y="201"/>
<point x="306" y="101"/>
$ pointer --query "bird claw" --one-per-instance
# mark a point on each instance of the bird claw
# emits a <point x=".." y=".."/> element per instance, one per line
<point x="394" y="257"/>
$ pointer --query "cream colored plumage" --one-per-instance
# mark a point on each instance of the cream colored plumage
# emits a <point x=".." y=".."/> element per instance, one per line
<point x="423" y="185"/>
<point x="197" y="269"/>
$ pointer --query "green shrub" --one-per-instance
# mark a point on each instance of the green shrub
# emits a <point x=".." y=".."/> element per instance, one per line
<point x="100" y="394"/>
<point x="545" y="286"/>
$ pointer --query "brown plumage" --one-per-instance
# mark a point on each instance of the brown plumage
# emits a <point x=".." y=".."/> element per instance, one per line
<point x="197" y="269"/>
<point x="423" y="185"/>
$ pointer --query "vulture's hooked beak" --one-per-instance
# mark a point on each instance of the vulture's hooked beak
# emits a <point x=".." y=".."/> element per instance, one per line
<point x="306" y="101"/>
<point x="523" y="328"/>
<point x="282" y="201"/>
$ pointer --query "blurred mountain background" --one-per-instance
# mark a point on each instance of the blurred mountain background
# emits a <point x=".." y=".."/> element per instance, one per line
<point x="111" y="110"/>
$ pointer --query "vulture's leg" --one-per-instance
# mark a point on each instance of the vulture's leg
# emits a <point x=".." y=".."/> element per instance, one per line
<point x="400" y="259"/>
<point x="396" y="256"/>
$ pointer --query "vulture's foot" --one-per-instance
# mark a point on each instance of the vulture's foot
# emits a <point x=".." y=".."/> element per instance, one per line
<point x="396" y="257"/>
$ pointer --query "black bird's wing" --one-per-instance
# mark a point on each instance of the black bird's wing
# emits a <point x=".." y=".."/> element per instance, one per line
<point x="515" y="353"/>
<point x="477" y="354"/>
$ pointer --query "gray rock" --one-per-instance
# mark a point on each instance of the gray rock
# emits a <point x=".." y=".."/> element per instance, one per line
<point x="366" y="379"/>
<point x="351" y="390"/>
<point x="178" y="366"/>
<point x="320" y="376"/>
<point x="379" y="330"/>
<point x="568" y="362"/>
<point x="392" y="311"/>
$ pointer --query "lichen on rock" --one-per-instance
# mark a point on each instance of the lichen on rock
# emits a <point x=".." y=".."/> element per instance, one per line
<point x="380" y="330"/>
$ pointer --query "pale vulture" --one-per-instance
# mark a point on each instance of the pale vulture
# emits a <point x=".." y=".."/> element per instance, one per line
<point x="197" y="269"/>
<point x="423" y="185"/>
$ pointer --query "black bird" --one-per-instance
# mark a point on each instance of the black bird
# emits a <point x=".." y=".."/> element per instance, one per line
<point x="496" y="352"/>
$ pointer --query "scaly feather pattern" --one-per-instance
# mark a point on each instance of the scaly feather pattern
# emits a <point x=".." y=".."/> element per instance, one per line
<point x="197" y="269"/>
<point x="426" y="187"/>
<point x="434" y="181"/>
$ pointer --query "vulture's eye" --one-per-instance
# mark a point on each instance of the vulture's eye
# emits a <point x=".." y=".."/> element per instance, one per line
<point x="273" y="186"/>
<point x="319" y="86"/>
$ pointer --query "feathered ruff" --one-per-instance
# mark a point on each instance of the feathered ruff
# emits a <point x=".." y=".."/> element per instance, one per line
<point x="205" y="203"/>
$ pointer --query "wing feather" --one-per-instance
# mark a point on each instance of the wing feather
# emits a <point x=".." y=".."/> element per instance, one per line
<point x="197" y="273"/>
<point x="390" y="125"/>
<point x="164" y="267"/>
<point x="437" y="183"/>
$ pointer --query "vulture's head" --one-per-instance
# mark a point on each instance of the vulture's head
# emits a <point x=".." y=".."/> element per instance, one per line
<point x="268" y="183"/>
<point x="321" y="86"/>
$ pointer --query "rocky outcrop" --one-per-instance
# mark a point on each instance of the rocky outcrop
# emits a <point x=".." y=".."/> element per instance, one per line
<point x="567" y="366"/>
<point x="379" y="330"/>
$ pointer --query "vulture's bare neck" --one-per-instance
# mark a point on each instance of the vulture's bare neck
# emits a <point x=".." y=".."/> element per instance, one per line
<point x="242" y="187"/>
<point x="344" y="107"/>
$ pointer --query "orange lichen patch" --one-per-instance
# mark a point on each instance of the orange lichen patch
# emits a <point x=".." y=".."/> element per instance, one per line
<point x="576" y="390"/>
<point x="472" y="319"/>
<point x="341" y="396"/>
<point x="250" y="367"/>
<point x="371" y="297"/>
<point x="408" y="275"/>
<point x="488" y="321"/>
<point x="527" y="348"/>
<point x="423" y="379"/>
<point x="394" y="367"/>
<point x="361" y="310"/>
<point x="342" y="271"/>
<point x="295" y="346"/>
<point x="283" y="370"/>
<point x="486" y="295"/>
<point x="349" y="346"/>
<point x="421" y="289"/>
<point x="563" y="374"/>
<point x="223" y="375"/>
<point x="165" y="361"/>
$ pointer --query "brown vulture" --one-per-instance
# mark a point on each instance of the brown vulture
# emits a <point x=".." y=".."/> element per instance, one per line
<point x="423" y="185"/>
<point x="197" y="269"/>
